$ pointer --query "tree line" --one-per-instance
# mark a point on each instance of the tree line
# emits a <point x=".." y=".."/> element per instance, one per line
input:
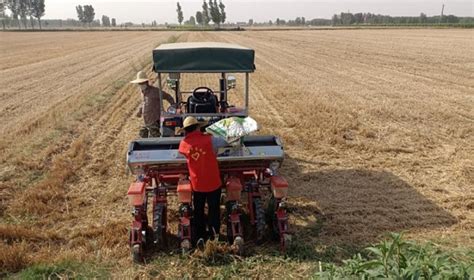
<point x="211" y="10"/>
<point x="26" y="11"/>
<point x="368" y="18"/>
<point x="86" y="15"/>
<point x="300" y="21"/>
<point x="344" y="19"/>
<point x="20" y="11"/>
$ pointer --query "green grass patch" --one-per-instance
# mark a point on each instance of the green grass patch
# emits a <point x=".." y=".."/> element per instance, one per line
<point x="63" y="270"/>
<point x="397" y="258"/>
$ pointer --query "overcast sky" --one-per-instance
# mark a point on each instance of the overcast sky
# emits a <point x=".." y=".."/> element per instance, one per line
<point x="260" y="10"/>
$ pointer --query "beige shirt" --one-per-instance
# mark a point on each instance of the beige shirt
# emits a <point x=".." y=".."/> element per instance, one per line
<point x="150" y="108"/>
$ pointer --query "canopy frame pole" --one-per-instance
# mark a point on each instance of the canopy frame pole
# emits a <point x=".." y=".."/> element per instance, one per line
<point x="223" y="92"/>
<point x="247" y="93"/>
<point x="177" y="92"/>
<point x="160" y="91"/>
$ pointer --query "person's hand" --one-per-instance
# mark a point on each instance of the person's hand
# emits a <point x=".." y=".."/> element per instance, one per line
<point x="172" y="108"/>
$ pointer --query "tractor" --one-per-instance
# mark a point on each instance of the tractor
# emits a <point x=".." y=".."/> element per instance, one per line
<point x="249" y="170"/>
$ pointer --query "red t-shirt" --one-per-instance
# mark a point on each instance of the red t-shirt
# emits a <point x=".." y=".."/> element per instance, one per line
<point x="202" y="162"/>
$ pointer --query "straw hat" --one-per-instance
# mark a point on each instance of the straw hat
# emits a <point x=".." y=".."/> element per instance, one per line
<point x="141" y="78"/>
<point x="189" y="121"/>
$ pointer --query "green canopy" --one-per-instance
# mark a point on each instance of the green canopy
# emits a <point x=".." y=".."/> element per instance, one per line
<point x="203" y="57"/>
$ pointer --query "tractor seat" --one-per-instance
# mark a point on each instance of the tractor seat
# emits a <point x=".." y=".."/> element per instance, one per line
<point x="202" y="102"/>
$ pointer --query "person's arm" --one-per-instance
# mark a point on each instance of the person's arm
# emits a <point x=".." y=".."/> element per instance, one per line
<point x="218" y="142"/>
<point x="139" y="111"/>
<point x="167" y="97"/>
<point x="182" y="149"/>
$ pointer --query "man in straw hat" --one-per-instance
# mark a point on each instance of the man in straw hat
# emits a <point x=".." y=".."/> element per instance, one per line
<point x="151" y="107"/>
<point x="200" y="150"/>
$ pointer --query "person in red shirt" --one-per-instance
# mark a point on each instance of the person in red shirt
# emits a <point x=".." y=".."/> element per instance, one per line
<point x="200" y="150"/>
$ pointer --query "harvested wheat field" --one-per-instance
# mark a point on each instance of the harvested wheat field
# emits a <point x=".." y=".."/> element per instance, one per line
<point x="377" y="124"/>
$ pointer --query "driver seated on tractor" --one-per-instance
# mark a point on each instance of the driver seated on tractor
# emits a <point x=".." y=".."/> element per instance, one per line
<point x="150" y="107"/>
<point x="200" y="150"/>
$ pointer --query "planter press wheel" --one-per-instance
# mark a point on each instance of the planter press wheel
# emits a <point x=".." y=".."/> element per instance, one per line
<point x="285" y="241"/>
<point x="259" y="219"/>
<point x="238" y="244"/>
<point x="148" y="237"/>
<point x="185" y="247"/>
<point x="272" y="219"/>
<point x="285" y="238"/>
<point x="236" y="241"/>
<point x="159" y="229"/>
<point x="186" y="244"/>
<point x="137" y="253"/>
<point x="136" y="249"/>
<point x="230" y="236"/>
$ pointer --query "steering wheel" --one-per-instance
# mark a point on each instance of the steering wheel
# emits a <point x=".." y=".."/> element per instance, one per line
<point x="203" y="93"/>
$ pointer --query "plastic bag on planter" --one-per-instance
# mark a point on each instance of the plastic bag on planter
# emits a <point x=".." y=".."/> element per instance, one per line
<point x="232" y="129"/>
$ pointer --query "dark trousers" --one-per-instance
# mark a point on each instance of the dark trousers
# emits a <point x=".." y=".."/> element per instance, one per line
<point x="214" y="214"/>
<point x="152" y="130"/>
